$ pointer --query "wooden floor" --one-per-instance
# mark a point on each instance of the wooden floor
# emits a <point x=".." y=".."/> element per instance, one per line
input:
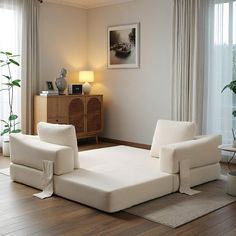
<point x="22" y="214"/>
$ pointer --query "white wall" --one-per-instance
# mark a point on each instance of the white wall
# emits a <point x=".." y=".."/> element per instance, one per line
<point x="134" y="98"/>
<point x="62" y="41"/>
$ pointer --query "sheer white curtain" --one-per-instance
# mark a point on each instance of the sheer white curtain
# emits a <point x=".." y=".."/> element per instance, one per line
<point x="19" y="35"/>
<point x="218" y="68"/>
<point x="10" y="40"/>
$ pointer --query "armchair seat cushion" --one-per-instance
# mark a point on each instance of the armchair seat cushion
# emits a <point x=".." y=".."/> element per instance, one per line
<point x="30" y="151"/>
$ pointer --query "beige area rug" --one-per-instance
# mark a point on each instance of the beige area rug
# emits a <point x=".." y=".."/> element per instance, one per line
<point x="177" y="209"/>
<point x="5" y="171"/>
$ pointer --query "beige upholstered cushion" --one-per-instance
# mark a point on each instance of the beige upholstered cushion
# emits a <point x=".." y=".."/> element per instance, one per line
<point x="60" y="134"/>
<point x="200" y="152"/>
<point x="168" y="132"/>
<point x="29" y="151"/>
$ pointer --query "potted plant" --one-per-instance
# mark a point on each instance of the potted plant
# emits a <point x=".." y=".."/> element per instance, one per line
<point x="232" y="87"/>
<point x="9" y="84"/>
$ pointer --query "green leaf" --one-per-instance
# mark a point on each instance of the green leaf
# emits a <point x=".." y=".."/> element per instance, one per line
<point x="6" y="53"/>
<point x="231" y="86"/>
<point x="16" y="83"/>
<point x="14" y="62"/>
<point x="16" y="131"/>
<point x="5" y="131"/>
<point x="7" y="77"/>
<point x="12" y="117"/>
<point x="226" y="86"/>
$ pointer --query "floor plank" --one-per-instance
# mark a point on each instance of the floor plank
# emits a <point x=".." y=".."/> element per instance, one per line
<point x="23" y="214"/>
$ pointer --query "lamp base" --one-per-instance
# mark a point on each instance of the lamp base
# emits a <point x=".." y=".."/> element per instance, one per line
<point x="86" y="88"/>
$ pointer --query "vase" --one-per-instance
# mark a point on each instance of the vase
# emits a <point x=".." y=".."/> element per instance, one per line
<point x="6" y="148"/>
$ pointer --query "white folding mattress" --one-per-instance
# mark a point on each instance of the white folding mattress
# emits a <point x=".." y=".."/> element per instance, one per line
<point x="115" y="178"/>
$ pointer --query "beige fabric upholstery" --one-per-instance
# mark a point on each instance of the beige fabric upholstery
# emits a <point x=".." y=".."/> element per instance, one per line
<point x="112" y="179"/>
<point x="115" y="178"/>
<point x="26" y="175"/>
<point x="204" y="174"/>
<point x="31" y="152"/>
<point x="168" y="132"/>
<point x="201" y="152"/>
<point x="61" y="135"/>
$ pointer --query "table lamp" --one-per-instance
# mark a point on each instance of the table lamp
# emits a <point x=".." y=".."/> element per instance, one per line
<point x="86" y="77"/>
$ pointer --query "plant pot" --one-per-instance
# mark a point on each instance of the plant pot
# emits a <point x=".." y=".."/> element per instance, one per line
<point x="6" y="148"/>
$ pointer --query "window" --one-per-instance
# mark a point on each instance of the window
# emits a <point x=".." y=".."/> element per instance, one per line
<point x="220" y="68"/>
<point x="10" y="40"/>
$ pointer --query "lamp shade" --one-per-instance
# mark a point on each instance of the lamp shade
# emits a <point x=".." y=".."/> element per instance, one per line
<point x="86" y="76"/>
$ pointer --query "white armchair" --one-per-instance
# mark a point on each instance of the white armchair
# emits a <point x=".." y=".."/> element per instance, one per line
<point x="55" y="143"/>
<point x="175" y="141"/>
<point x="27" y="150"/>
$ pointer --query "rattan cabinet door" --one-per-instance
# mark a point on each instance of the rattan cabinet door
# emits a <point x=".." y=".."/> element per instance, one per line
<point x="94" y="114"/>
<point x="77" y="115"/>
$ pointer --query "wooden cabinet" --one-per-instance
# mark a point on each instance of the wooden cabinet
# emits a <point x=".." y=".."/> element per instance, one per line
<point x="85" y="112"/>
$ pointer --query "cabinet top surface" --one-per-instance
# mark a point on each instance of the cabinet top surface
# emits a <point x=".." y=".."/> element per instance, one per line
<point x="71" y="95"/>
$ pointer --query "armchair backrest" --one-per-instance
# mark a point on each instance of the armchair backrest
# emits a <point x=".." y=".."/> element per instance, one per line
<point x="168" y="132"/>
<point x="60" y="134"/>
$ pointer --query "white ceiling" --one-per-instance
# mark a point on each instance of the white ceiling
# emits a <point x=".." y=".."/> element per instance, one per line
<point x="88" y="3"/>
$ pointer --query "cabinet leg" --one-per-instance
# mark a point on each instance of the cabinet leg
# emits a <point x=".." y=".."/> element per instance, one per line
<point x="97" y="141"/>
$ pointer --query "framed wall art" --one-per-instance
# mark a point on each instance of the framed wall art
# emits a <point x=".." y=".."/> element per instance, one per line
<point x="123" y="46"/>
<point x="50" y="86"/>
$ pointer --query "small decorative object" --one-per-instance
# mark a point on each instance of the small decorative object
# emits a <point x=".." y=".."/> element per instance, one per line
<point x="75" y="89"/>
<point x="61" y="82"/>
<point x="123" y="46"/>
<point x="11" y="124"/>
<point x="50" y="85"/>
<point x="86" y="77"/>
<point x="49" y="93"/>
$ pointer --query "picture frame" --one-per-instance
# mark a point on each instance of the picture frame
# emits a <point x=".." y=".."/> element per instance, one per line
<point x="50" y="86"/>
<point x="123" y="46"/>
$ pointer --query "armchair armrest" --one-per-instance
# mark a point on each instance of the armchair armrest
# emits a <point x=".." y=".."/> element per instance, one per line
<point x="200" y="152"/>
<point x="29" y="151"/>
